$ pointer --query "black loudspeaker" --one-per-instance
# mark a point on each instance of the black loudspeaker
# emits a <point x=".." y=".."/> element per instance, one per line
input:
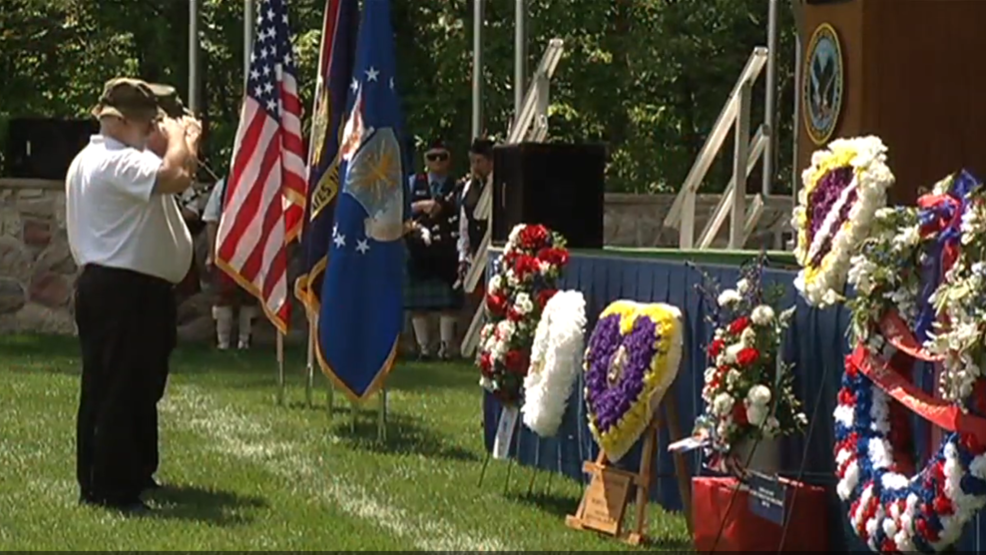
<point x="555" y="184"/>
<point x="41" y="148"/>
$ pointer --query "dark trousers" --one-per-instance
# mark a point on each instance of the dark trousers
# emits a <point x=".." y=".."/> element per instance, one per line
<point x="126" y="323"/>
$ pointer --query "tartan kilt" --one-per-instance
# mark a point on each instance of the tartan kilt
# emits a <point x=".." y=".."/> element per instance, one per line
<point x="190" y="285"/>
<point x="228" y="292"/>
<point x="430" y="294"/>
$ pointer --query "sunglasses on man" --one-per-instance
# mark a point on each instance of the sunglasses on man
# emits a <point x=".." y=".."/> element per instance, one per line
<point x="436" y="156"/>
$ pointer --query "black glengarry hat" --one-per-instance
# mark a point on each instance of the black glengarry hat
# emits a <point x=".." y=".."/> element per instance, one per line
<point x="482" y="147"/>
<point x="437" y="144"/>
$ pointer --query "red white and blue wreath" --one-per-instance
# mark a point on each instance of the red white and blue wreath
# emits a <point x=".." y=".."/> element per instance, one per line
<point x="920" y="280"/>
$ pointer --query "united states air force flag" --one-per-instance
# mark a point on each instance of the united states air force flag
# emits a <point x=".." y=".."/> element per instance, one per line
<point x="361" y="314"/>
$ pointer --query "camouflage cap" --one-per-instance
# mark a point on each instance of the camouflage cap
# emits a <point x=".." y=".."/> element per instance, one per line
<point x="169" y="101"/>
<point x="125" y="97"/>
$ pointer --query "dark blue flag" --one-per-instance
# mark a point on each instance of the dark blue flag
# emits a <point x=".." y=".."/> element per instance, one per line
<point x="335" y="73"/>
<point x="361" y="316"/>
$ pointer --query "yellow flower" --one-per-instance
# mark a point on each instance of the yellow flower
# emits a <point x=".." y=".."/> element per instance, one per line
<point x="662" y="370"/>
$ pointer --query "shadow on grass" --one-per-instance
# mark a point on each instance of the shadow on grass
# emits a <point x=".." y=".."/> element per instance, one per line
<point x="28" y="345"/>
<point x="404" y="437"/>
<point x="668" y="544"/>
<point x="412" y="376"/>
<point x="561" y="506"/>
<point x="210" y="506"/>
<point x="549" y="502"/>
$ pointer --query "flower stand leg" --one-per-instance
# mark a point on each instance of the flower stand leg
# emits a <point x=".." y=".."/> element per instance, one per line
<point x="604" y="502"/>
<point x="680" y="464"/>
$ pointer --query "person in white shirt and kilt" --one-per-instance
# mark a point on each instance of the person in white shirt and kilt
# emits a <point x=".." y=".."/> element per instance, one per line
<point x="432" y="263"/>
<point x="230" y="298"/>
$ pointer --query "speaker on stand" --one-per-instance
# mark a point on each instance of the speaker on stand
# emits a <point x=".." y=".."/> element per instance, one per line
<point x="43" y="148"/>
<point x="558" y="185"/>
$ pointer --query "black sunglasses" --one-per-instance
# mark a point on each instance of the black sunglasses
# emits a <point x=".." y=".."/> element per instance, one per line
<point x="437" y="157"/>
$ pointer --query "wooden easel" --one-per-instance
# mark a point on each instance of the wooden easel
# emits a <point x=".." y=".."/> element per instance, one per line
<point x="605" y="500"/>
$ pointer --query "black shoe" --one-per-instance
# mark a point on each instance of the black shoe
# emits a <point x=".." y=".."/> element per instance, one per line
<point x="152" y="485"/>
<point x="137" y="508"/>
<point x="132" y="508"/>
<point x="445" y="352"/>
<point x="424" y="356"/>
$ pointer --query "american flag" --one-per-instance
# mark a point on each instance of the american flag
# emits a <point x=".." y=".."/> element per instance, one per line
<point x="265" y="194"/>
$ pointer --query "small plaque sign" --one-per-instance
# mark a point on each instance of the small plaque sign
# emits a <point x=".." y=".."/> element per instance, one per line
<point x="505" y="432"/>
<point x="767" y="495"/>
<point x="605" y="500"/>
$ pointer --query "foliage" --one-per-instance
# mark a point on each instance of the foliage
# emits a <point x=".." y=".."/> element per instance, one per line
<point x="647" y="77"/>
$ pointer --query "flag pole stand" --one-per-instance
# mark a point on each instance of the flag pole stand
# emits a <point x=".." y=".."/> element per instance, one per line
<point x="382" y="417"/>
<point x="280" y="369"/>
<point x="482" y="471"/>
<point x="310" y="367"/>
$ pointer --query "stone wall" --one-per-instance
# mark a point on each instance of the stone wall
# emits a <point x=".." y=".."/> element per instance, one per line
<point x="37" y="272"/>
<point x="36" y="268"/>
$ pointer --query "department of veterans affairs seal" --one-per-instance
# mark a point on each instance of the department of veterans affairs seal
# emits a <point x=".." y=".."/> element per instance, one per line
<point x="822" y="88"/>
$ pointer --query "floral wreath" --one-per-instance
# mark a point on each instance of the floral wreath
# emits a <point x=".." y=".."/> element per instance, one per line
<point x="555" y="355"/>
<point x="748" y="391"/>
<point x="843" y="189"/>
<point x="921" y="295"/>
<point x="524" y="281"/>
<point x="632" y="359"/>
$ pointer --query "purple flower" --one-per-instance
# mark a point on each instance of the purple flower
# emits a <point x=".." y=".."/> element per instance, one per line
<point x="609" y="401"/>
<point x="821" y="200"/>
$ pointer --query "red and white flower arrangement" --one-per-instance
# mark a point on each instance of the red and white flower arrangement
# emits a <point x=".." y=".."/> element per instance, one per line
<point x="894" y="505"/>
<point x="525" y="279"/>
<point x="748" y="391"/>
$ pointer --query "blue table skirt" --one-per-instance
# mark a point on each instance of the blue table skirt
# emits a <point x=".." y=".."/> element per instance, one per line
<point x="816" y="344"/>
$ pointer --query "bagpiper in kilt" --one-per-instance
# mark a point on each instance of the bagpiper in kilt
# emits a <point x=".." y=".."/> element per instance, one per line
<point x="472" y="230"/>
<point x="229" y="296"/>
<point x="432" y="262"/>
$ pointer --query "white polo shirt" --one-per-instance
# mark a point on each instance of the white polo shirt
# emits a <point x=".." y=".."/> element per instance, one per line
<point x="114" y="219"/>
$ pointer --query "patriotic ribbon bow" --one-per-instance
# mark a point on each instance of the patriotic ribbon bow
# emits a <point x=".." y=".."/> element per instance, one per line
<point x="940" y="216"/>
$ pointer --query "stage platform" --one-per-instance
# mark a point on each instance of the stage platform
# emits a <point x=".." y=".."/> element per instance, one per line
<point x="816" y="344"/>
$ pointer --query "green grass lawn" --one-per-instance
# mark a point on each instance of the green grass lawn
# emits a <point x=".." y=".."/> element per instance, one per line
<point x="244" y="474"/>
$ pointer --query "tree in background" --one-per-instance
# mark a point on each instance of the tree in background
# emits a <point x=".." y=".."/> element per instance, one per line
<point x="647" y="77"/>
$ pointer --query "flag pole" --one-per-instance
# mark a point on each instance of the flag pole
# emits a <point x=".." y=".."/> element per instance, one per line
<point x="248" y="17"/>
<point x="280" y="368"/>
<point x="382" y="417"/>
<point x="310" y="365"/>
<point x="330" y="399"/>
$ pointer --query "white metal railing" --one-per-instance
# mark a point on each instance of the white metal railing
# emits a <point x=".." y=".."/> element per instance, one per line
<point x="531" y="124"/>
<point x="736" y="115"/>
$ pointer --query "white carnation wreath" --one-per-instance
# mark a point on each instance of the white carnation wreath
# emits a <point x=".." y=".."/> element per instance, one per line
<point x="555" y="362"/>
